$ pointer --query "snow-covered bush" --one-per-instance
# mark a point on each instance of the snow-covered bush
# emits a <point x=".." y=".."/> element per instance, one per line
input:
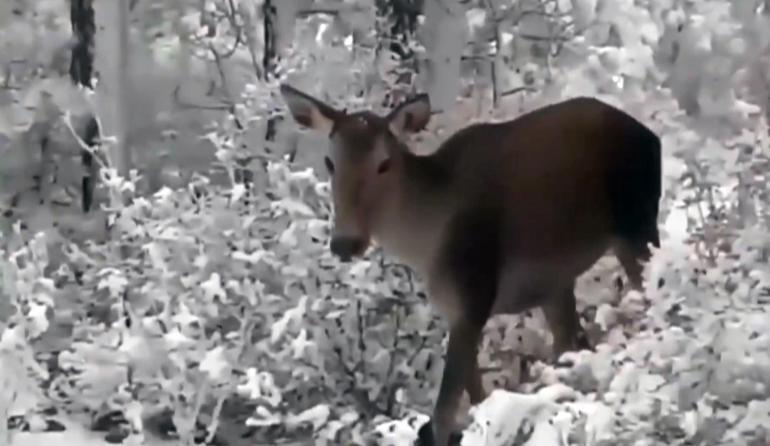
<point x="199" y="295"/>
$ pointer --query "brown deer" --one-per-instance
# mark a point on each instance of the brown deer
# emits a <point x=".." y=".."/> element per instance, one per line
<point x="501" y="218"/>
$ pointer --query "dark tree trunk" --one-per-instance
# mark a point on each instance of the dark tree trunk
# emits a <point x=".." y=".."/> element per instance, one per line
<point x="84" y="29"/>
<point x="270" y="20"/>
<point x="244" y="173"/>
<point x="269" y="57"/>
<point x="81" y="70"/>
<point x="397" y="27"/>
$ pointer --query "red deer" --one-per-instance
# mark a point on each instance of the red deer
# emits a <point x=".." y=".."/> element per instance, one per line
<point x="501" y="218"/>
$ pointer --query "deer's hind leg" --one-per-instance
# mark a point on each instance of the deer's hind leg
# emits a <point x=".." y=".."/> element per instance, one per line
<point x="560" y="312"/>
<point x="632" y="255"/>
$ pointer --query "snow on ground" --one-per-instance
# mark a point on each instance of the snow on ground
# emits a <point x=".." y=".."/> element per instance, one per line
<point x="73" y="436"/>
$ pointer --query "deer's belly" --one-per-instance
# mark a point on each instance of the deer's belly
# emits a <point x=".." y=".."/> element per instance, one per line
<point x="527" y="283"/>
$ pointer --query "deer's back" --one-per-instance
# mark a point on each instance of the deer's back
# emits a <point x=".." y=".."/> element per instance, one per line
<point x="545" y="178"/>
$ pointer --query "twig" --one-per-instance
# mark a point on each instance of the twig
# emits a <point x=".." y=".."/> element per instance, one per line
<point x="360" y="396"/>
<point x="189" y="105"/>
<point x="361" y="345"/>
<point x="95" y="151"/>
<point x="218" y="64"/>
<point x="418" y="349"/>
<point x="333" y="9"/>
<point x="517" y="90"/>
<point x="390" y="402"/>
<point x="236" y="28"/>
<point x="212" y="428"/>
<point x="496" y="59"/>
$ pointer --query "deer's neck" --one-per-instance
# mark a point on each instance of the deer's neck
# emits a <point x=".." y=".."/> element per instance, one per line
<point x="416" y="211"/>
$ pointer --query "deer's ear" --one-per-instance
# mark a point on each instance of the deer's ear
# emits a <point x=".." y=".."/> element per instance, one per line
<point x="308" y="111"/>
<point x="410" y="116"/>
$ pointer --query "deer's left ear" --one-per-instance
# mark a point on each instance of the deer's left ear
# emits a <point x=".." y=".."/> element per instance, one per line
<point x="308" y="111"/>
<point x="410" y="116"/>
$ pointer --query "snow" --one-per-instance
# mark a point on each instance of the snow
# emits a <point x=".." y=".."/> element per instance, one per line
<point x="71" y="437"/>
<point x="74" y="435"/>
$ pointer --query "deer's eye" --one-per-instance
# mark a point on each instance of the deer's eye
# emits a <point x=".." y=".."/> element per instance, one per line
<point x="329" y="164"/>
<point x="384" y="166"/>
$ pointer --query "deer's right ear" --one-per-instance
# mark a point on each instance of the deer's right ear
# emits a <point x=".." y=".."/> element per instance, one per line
<point x="309" y="111"/>
<point x="411" y="116"/>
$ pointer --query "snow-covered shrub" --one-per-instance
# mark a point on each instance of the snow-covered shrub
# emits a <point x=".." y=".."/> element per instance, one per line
<point x="198" y="295"/>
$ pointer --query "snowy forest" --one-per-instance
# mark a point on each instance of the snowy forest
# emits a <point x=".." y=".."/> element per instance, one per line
<point x="165" y="271"/>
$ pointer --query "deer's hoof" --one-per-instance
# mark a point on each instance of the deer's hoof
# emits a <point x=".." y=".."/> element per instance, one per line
<point x="425" y="436"/>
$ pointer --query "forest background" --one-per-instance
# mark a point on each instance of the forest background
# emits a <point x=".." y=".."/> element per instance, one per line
<point x="165" y="270"/>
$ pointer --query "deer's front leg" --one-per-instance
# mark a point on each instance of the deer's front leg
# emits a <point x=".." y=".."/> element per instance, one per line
<point x="473" y="384"/>
<point x="460" y="371"/>
<point x="462" y="285"/>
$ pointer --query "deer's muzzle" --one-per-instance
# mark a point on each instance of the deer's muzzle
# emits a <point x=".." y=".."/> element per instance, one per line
<point x="346" y="247"/>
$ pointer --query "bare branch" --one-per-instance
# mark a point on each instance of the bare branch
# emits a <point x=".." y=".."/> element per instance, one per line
<point x="517" y="90"/>
<point x="187" y="105"/>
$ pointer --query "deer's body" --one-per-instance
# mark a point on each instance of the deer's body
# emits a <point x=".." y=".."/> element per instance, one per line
<point x="501" y="218"/>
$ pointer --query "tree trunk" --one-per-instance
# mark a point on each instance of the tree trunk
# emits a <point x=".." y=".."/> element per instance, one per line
<point x="270" y="55"/>
<point x="123" y="146"/>
<point x="81" y="70"/>
<point x="444" y="36"/>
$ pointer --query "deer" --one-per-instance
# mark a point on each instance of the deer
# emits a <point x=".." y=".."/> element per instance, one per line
<point x="501" y="218"/>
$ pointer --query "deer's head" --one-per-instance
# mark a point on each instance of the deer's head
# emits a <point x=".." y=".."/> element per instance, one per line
<point x="365" y="160"/>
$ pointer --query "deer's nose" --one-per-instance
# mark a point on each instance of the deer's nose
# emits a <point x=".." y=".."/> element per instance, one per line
<point x="345" y="247"/>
